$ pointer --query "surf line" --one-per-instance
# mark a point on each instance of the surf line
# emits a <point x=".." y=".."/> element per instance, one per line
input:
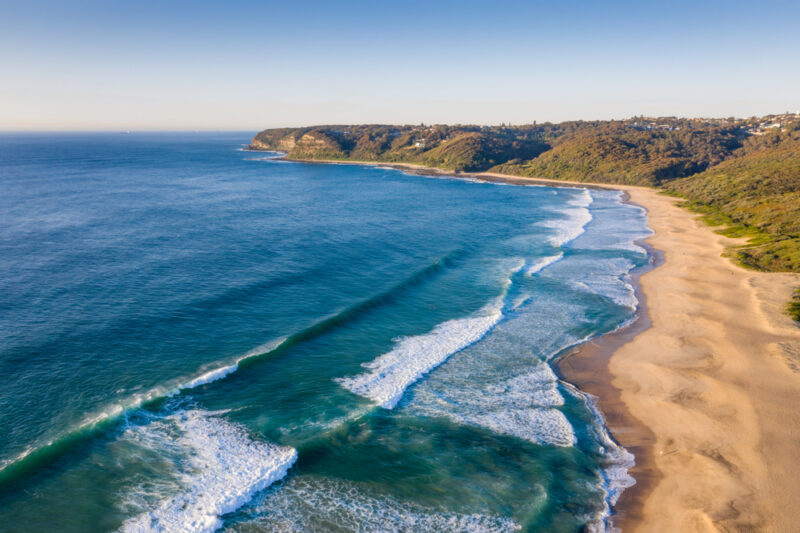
<point x="42" y="453"/>
<point x="388" y="376"/>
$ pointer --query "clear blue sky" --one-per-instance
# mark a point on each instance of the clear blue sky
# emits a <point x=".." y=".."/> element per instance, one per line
<point x="250" y="65"/>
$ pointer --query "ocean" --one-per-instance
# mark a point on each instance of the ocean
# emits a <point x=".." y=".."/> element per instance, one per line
<point x="196" y="337"/>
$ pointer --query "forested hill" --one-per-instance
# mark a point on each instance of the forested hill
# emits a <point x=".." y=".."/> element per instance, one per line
<point x="743" y="172"/>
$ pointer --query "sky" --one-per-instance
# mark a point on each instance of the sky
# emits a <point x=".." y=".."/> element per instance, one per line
<point x="204" y="65"/>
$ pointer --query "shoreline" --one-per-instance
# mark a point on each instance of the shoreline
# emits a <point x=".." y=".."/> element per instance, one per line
<point x="702" y="386"/>
<point x="587" y="365"/>
<point x="422" y="170"/>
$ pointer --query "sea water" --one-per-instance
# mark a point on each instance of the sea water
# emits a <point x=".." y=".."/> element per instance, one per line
<point x="196" y="337"/>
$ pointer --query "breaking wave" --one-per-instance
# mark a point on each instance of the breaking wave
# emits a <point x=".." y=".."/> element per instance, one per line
<point x="389" y="375"/>
<point x="225" y="468"/>
<point x="523" y="406"/>
<point x="543" y="263"/>
<point x="307" y="503"/>
<point x="578" y="215"/>
<point x="113" y="412"/>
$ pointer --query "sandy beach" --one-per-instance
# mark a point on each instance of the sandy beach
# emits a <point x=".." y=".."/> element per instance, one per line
<point x="715" y="378"/>
<point x="703" y="388"/>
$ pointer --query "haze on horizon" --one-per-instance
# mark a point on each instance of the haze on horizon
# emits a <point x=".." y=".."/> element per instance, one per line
<point x="91" y="65"/>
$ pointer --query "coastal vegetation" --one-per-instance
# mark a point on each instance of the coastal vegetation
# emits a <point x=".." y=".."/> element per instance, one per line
<point x="794" y="306"/>
<point x="743" y="174"/>
<point x="756" y="195"/>
<point x="456" y="148"/>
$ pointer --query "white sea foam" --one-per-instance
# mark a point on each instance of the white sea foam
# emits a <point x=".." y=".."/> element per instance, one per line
<point x="520" y="300"/>
<point x="543" y="263"/>
<point x="390" y="374"/>
<point x="225" y="468"/>
<point x="606" y="277"/>
<point x="616" y="225"/>
<point x="307" y="503"/>
<point x="522" y="406"/>
<point x="578" y="215"/>
<point x="211" y="376"/>
<point x="536" y="388"/>
<point x="617" y="461"/>
<point x="616" y="287"/>
<point x="541" y="426"/>
<point x="224" y="371"/>
<point x="136" y="400"/>
<point x="584" y="199"/>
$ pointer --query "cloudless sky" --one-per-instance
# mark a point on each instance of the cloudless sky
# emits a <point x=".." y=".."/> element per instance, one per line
<point x="101" y="65"/>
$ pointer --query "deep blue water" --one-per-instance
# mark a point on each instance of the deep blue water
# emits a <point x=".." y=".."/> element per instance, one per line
<point x="197" y="337"/>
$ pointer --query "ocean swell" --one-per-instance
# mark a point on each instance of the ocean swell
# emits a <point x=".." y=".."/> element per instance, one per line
<point x="308" y="503"/>
<point x="112" y="412"/>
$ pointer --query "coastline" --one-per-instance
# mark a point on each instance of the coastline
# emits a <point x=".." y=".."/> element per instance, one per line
<point x="422" y="170"/>
<point x="587" y="366"/>
<point x="701" y="387"/>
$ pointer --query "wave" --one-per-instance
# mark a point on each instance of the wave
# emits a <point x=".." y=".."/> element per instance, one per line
<point x="390" y="374"/>
<point x="523" y="406"/>
<point x="607" y="277"/>
<point x="136" y="401"/>
<point x="578" y="214"/>
<point x="225" y="469"/>
<point x="537" y="425"/>
<point x="617" y="461"/>
<point x="543" y="263"/>
<point x="615" y="286"/>
<point x="111" y="413"/>
<point x="310" y="503"/>
<point x="224" y="371"/>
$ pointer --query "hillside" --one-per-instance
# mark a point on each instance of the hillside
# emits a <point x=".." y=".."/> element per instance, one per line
<point x="744" y="173"/>
<point x="628" y="154"/>
<point x="457" y="148"/>
<point x="757" y="194"/>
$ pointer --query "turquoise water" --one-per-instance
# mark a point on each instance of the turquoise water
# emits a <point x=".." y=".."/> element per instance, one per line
<point x="196" y="337"/>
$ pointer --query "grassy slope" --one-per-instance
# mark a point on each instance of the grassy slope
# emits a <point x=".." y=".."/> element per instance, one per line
<point x="756" y="195"/>
<point x="462" y="148"/>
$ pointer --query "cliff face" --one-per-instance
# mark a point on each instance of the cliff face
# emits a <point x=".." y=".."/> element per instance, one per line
<point x="257" y="144"/>
<point x="314" y="145"/>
